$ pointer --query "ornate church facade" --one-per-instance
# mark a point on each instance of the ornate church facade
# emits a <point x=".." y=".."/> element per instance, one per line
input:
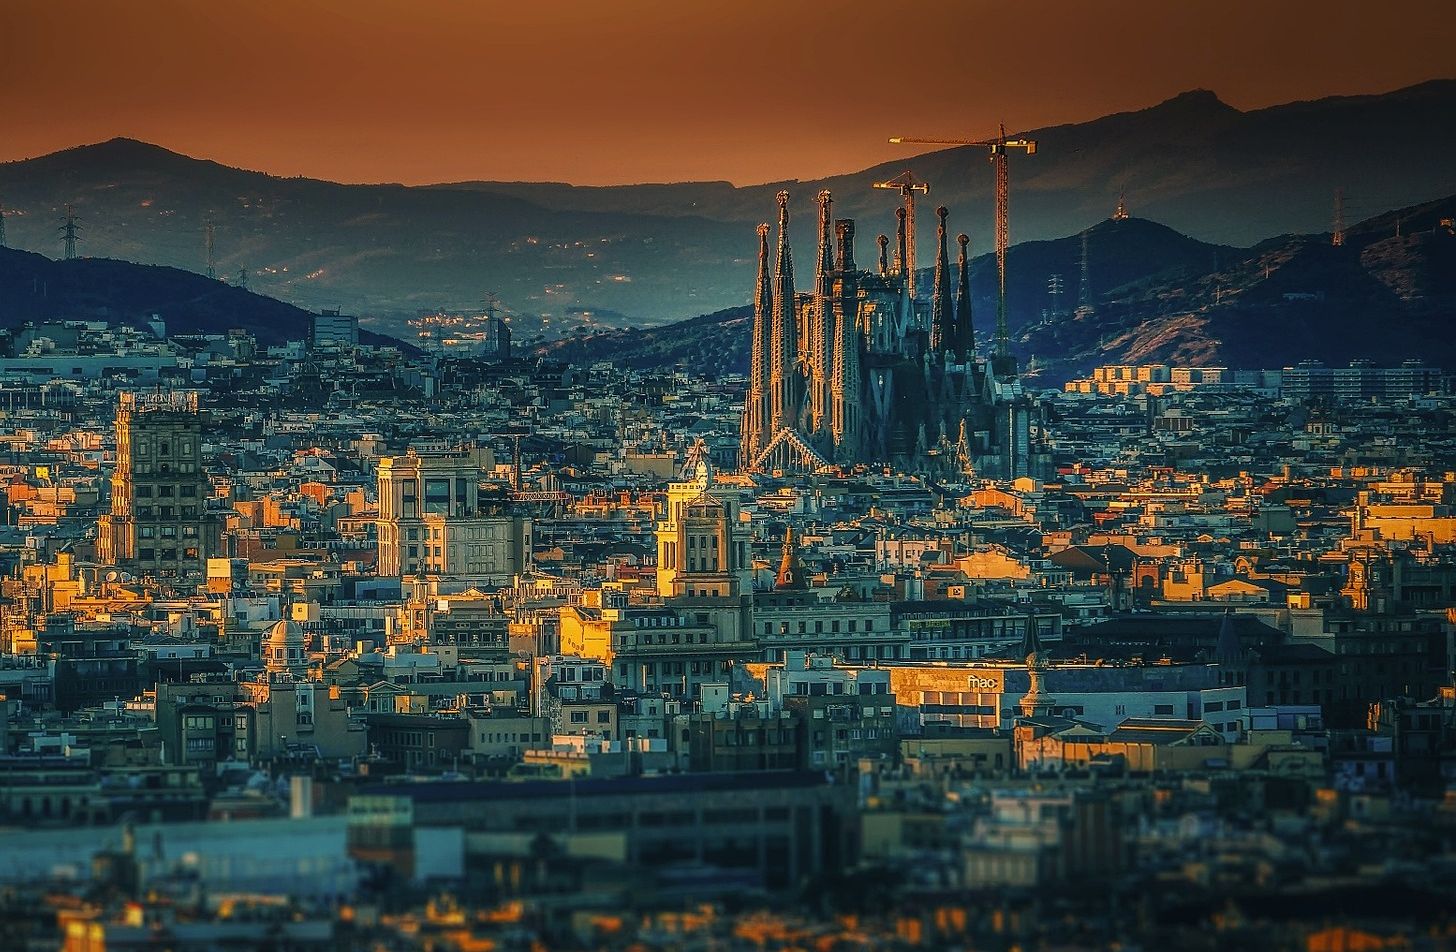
<point x="857" y="371"/>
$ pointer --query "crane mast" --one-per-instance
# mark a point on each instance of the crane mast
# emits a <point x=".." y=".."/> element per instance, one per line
<point x="999" y="147"/>
<point x="907" y="185"/>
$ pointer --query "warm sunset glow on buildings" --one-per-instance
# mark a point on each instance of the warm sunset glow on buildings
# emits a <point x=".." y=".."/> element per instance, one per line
<point x="743" y="476"/>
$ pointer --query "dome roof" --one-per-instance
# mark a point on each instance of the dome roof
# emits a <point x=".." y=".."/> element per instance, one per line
<point x="284" y="647"/>
<point x="286" y="633"/>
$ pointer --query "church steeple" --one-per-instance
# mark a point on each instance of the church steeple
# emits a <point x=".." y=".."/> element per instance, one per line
<point x="1036" y="702"/>
<point x="965" y="329"/>
<point x="782" y="357"/>
<point x="791" y="572"/>
<point x="756" y="403"/>
<point x="942" y="325"/>
<point x="825" y="264"/>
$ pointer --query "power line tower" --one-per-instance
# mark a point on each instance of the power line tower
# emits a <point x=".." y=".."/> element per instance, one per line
<point x="243" y="278"/>
<point x="491" y="303"/>
<point x="1337" y="237"/>
<point x="1084" y="288"/>
<point x="1055" y="287"/>
<point x="907" y="185"/>
<point x="999" y="147"/>
<point x="70" y="232"/>
<point x="209" y="236"/>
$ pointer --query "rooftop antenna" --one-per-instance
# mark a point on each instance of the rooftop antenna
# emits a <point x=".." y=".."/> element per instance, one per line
<point x="1338" y="237"/>
<point x="209" y="242"/>
<point x="70" y="233"/>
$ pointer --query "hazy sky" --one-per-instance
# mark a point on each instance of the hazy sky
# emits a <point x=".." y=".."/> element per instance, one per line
<point x="605" y="91"/>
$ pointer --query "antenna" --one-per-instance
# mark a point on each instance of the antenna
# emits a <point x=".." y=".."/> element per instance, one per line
<point x="1338" y="237"/>
<point x="1055" y="287"/>
<point x="243" y="278"/>
<point x="208" y="238"/>
<point x="1084" y="289"/>
<point x="1120" y="213"/>
<point x="70" y="233"/>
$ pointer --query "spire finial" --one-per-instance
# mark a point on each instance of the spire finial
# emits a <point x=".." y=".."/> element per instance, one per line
<point x="942" y="325"/>
<point x="826" y="253"/>
<point x="965" y="330"/>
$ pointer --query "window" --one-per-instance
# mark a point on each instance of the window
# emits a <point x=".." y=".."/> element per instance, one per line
<point x="578" y="717"/>
<point x="1164" y="710"/>
<point x="604" y="717"/>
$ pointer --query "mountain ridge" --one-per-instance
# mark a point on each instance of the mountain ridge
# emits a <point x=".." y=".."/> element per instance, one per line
<point x="657" y="252"/>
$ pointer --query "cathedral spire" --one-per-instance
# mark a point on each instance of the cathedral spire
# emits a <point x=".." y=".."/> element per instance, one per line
<point x="791" y="571"/>
<point x="965" y="329"/>
<point x="942" y="326"/>
<point x="755" y="404"/>
<point x="782" y="359"/>
<point x="816" y="360"/>
<point x="884" y="243"/>
<point x="825" y="264"/>
<point x="844" y="235"/>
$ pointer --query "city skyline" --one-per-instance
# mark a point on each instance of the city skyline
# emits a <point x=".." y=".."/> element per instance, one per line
<point x="1047" y="542"/>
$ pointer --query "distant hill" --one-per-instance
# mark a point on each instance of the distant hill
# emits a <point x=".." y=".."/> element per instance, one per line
<point x="653" y="253"/>
<point x="1157" y="295"/>
<point x="1381" y="296"/>
<point x="36" y="288"/>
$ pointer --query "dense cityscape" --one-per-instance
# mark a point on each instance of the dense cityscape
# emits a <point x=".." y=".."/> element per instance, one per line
<point x="520" y="516"/>
<point x="348" y="645"/>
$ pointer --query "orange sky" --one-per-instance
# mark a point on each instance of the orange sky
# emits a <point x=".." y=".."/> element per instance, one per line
<point x="604" y="91"/>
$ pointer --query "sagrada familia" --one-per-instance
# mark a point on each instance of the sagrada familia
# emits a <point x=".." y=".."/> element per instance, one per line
<point x="859" y="371"/>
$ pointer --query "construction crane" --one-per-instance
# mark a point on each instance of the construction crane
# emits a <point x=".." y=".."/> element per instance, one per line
<point x="907" y="185"/>
<point x="998" y="147"/>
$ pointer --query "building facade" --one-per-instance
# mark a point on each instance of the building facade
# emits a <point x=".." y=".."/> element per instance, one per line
<point x="859" y="371"/>
<point x="434" y="520"/>
<point x="158" y="523"/>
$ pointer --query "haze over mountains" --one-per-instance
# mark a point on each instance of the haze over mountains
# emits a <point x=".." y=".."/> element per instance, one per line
<point x="654" y="253"/>
<point x="1388" y="294"/>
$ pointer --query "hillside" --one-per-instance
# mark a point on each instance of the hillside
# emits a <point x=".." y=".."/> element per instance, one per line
<point x="653" y="253"/>
<point x="1157" y="295"/>
<point x="36" y="288"/>
<point x="1381" y="297"/>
